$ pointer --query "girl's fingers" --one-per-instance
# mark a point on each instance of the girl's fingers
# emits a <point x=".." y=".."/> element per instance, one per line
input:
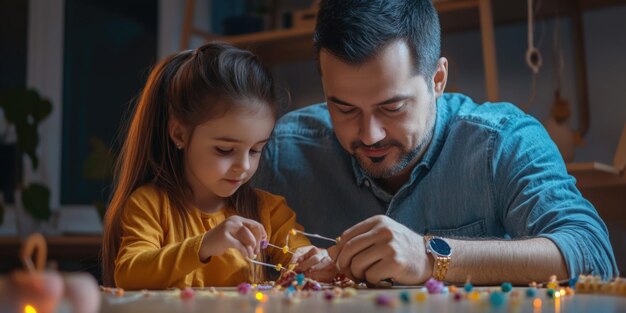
<point x="303" y="253"/>
<point x="326" y="264"/>
<point x="247" y="239"/>
<point x="313" y="258"/>
<point x="258" y="232"/>
<point x="236" y="244"/>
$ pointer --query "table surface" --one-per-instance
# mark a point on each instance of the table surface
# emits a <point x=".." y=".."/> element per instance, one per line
<point x="229" y="300"/>
<point x="363" y="301"/>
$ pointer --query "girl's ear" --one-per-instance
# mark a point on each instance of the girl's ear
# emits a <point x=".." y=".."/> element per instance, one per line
<point x="177" y="132"/>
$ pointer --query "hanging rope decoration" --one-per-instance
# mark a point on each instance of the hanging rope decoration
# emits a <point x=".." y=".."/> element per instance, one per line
<point x="533" y="55"/>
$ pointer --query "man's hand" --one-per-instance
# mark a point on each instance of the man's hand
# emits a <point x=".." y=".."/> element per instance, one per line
<point x="380" y="248"/>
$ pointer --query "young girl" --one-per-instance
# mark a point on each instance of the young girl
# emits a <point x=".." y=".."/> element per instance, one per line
<point x="182" y="213"/>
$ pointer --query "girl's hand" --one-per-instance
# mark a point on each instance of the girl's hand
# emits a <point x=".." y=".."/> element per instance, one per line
<point x="235" y="232"/>
<point x="315" y="262"/>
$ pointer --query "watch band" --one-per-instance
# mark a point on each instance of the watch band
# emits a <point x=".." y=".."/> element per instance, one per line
<point x="442" y="263"/>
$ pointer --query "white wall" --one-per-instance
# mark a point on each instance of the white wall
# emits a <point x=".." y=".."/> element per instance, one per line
<point x="44" y="73"/>
<point x="605" y="49"/>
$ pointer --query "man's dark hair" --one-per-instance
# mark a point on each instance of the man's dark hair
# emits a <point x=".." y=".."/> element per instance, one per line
<point x="357" y="30"/>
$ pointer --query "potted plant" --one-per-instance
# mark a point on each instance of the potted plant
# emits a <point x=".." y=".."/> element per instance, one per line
<point x="24" y="109"/>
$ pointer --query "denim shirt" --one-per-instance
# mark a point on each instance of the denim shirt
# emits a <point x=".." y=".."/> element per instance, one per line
<point x="491" y="171"/>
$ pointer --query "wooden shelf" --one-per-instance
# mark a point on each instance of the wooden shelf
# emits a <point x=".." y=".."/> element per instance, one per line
<point x="294" y="45"/>
<point x="59" y="247"/>
<point x="291" y="45"/>
<point x="288" y="45"/>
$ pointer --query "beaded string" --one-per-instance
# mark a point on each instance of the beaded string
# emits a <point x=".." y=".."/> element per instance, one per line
<point x="295" y="231"/>
<point x="278" y="267"/>
<point x="285" y="249"/>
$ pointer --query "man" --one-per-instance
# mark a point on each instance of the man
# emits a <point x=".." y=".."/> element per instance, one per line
<point x="393" y="154"/>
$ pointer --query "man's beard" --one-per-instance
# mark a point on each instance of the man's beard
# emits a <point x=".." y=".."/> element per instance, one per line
<point x="406" y="158"/>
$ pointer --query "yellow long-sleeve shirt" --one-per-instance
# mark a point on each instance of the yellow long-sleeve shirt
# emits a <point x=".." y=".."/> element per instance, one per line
<point x="155" y="254"/>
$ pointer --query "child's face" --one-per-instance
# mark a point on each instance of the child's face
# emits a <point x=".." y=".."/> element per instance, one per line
<point x="224" y="153"/>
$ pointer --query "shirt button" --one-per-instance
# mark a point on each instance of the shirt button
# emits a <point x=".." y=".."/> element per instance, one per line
<point x="367" y="183"/>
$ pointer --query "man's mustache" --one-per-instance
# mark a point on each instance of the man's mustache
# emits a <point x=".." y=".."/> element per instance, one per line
<point x="379" y="145"/>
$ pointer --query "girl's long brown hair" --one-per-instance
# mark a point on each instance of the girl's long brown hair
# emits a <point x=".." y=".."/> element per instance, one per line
<point x="192" y="86"/>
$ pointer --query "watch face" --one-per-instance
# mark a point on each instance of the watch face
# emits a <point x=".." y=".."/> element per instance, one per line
<point x="440" y="247"/>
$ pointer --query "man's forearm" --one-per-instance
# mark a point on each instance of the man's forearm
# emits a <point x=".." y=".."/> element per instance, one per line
<point x="494" y="261"/>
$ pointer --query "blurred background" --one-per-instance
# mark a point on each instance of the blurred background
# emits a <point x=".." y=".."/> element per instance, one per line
<point x="70" y="71"/>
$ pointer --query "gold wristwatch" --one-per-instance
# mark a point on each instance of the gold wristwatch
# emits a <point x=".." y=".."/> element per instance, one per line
<point x="441" y="251"/>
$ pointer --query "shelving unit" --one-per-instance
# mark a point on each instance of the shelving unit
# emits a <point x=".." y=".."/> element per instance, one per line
<point x="290" y="45"/>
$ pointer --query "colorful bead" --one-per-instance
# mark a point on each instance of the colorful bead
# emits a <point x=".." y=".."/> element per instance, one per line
<point x="420" y="296"/>
<point x="452" y="289"/>
<point x="458" y="296"/>
<point x="552" y="285"/>
<point x="349" y="292"/>
<point x="468" y="287"/>
<point x="187" y="293"/>
<point x="312" y="285"/>
<point x="496" y="298"/>
<point x="300" y="279"/>
<point x="278" y="267"/>
<point x="572" y="282"/>
<point x="264" y="244"/>
<point x="531" y="292"/>
<point x="119" y="292"/>
<point x="384" y="300"/>
<point x="329" y="296"/>
<point x="550" y="293"/>
<point x="405" y="297"/>
<point x="259" y="296"/>
<point x="474" y="295"/>
<point x="292" y="232"/>
<point x="285" y="249"/>
<point x="434" y="286"/>
<point x="506" y="287"/>
<point x="244" y="288"/>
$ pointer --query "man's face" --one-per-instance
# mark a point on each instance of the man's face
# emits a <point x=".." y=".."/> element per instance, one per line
<point x="382" y="112"/>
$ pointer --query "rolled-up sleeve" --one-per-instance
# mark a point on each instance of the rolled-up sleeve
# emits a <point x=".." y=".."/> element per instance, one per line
<point x="538" y="198"/>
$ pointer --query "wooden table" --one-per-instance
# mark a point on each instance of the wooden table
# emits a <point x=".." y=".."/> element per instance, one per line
<point x="229" y="300"/>
<point x="364" y="301"/>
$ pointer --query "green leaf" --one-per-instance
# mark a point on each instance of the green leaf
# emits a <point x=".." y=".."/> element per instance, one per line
<point x="25" y="109"/>
<point x="28" y="139"/>
<point x="36" y="201"/>
<point x="41" y="109"/>
<point x="15" y="103"/>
